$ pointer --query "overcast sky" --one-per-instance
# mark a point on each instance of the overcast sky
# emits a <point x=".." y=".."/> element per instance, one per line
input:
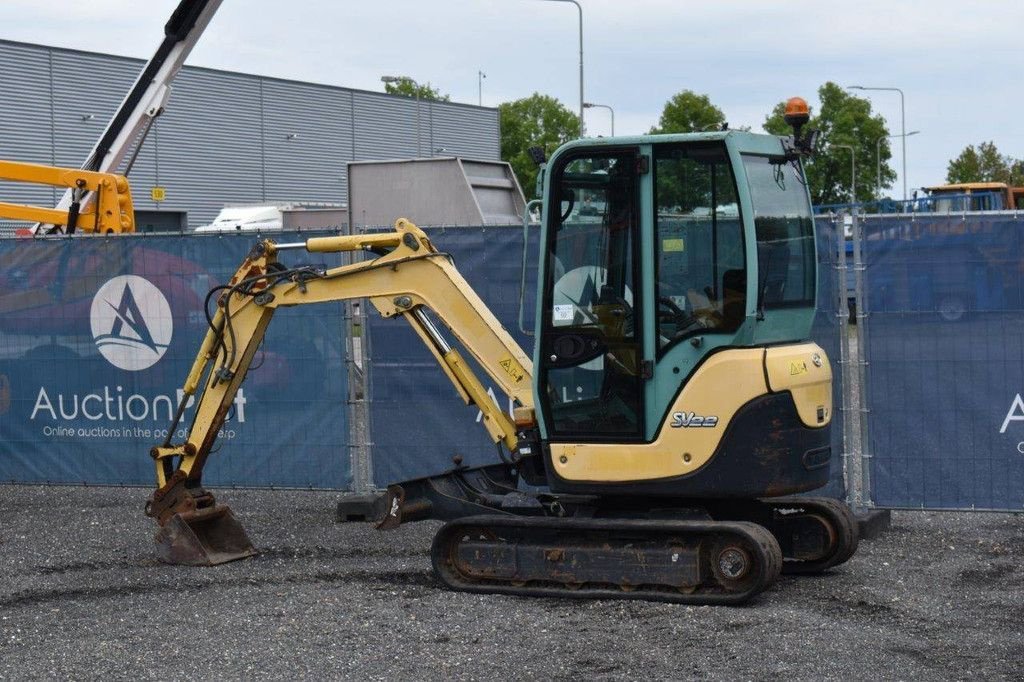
<point x="958" y="63"/>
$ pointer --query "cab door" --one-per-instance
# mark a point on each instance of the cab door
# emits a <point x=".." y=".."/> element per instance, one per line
<point x="700" y="278"/>
<point x="592" y="373"/>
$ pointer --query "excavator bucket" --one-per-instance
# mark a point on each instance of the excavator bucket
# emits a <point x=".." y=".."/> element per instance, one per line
<point x="205" y="537"/>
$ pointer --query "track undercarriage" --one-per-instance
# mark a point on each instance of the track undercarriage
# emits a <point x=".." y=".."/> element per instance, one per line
<point x="500" y="540"/>
<point x="693" y="562"/>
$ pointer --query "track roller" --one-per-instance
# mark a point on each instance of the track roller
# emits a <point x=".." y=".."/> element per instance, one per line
<point x="691" y="562"/>
<point x="815" y="533"/>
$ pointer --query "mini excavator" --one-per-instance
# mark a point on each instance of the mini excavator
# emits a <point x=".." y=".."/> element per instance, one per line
<point x="672" y="407"/>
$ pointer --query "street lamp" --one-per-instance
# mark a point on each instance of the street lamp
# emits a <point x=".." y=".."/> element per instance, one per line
<point x="853" y="172"/>
<point x="416" y="89"/>
<point x="878" y="156"/>
<point x="583" y="125"/>
<point x="591" y="105"/>
<point x="903" y="128"/>
<point x="480" y="76"/>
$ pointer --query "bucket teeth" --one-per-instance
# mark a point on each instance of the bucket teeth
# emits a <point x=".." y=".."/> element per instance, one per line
<point x="204" y="537"/>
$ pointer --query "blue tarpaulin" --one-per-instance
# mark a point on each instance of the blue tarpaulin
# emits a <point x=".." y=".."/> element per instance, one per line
<point x="418" y="422"/>
<point x="97" y="336"/>
<point x="945" y="347"/>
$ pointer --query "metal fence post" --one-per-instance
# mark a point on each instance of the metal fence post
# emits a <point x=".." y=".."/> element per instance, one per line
<point x="357" y="358"/>
<point x="851" y="471"/>
<point x="862" y="361"/>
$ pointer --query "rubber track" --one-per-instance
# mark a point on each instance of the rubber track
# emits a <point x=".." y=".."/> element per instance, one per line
<point x="757" y="541"/>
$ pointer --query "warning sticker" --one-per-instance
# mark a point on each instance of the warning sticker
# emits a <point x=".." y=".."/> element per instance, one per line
<point x="678" y="244"/>
<point x="512" y="368"/>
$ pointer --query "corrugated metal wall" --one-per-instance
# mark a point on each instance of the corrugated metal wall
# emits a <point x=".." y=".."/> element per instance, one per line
<point x="26" y="118"/>
<point x="226" y="138"/>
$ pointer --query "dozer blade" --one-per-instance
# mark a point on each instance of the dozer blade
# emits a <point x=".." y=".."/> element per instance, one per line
<point x="205" y="537"/>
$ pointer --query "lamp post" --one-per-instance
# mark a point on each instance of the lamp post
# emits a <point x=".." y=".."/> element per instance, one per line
<point x="591" y="105"/>
<point x="878" y="156"/>
<point x="480" y="76"/>
<point x="903" y="128"/>
<point x="853" y="172"/>
<point x="583" y="126"/>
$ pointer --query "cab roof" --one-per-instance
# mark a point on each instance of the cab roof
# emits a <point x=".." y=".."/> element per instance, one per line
<point x="741" y="140"/>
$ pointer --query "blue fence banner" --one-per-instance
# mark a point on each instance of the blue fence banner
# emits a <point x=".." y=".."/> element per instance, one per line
<point x="97" y="336"/>
<point x="945" y="351"/>
<point x="419" y="424"/>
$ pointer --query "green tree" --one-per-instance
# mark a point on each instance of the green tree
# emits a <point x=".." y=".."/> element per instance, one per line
<point x="843" y="119"/>
<point x="1017" y="173"/>
<point x="688" y="112"/>
<point x="985" y="164"/>
<point x="534" y="121"/>
<point x="407" y="87"/>
<point x="964" y="168"/>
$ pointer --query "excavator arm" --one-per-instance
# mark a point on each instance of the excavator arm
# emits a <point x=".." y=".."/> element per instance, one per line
<point x="407" y="277"/>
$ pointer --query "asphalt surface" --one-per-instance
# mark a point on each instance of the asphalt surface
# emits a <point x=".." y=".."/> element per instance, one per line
<point x="940" y="596"/>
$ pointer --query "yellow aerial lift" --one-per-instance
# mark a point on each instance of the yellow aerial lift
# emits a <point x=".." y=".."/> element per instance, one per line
<point x="109" y="209"/>
<point x="98" y="199"/>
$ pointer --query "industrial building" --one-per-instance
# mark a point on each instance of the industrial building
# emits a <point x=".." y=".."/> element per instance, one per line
<point x="226" y="138"/>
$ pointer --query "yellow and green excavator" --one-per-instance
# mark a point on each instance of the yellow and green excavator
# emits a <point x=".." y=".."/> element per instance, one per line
<point x="672" y="405"/>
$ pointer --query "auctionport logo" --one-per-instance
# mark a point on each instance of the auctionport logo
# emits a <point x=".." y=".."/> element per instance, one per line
<point x="131" y="322"/>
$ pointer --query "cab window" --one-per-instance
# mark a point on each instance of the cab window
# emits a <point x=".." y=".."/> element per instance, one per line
<point x="785" y="233"/>
<point x="699" y="253"/>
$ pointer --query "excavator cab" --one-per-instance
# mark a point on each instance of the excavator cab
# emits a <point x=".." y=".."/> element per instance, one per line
<point x="660" y="253"/>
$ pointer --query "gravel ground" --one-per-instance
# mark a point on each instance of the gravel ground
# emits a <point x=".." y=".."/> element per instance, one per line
<point x="940" y="596"/>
